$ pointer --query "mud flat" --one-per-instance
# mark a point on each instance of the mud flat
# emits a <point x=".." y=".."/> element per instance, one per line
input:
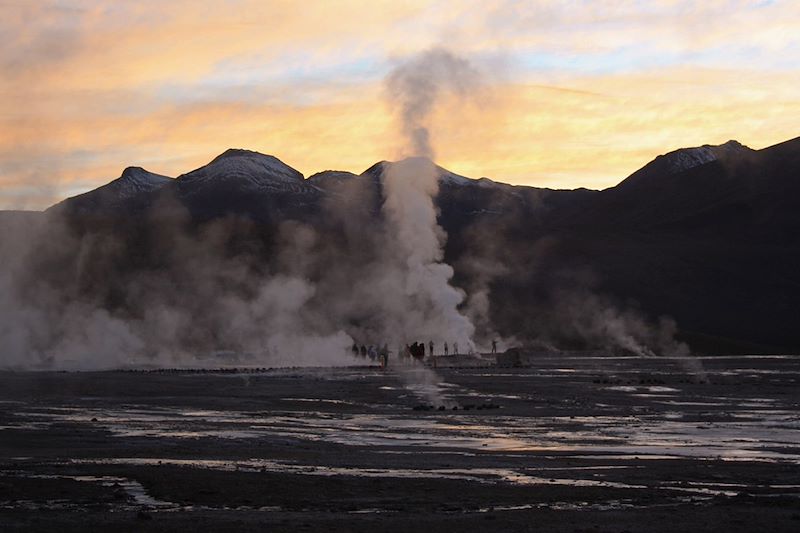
<point x="569" y="444"/>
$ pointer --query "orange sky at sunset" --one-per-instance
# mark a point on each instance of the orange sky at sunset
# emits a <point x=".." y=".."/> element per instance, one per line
<point x="577" y="94"/>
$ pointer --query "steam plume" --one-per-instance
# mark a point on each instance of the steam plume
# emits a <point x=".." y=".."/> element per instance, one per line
<point x="415" y="87"/>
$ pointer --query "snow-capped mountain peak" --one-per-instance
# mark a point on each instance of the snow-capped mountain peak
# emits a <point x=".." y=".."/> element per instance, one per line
<point x="244" y="167"/>
<point x="135" y="180"/>
<point x="445" y="177"/>
<point x="133" y="183"/>
<point x="450" y="178"/>
<point x="684" y="159"/>
<point x="329" y="179"/>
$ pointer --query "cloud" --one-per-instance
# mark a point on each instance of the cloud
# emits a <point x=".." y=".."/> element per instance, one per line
<point x="591" y="91"/>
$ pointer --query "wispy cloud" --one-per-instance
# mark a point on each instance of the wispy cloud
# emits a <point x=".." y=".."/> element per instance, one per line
<point x="586" y="91"/>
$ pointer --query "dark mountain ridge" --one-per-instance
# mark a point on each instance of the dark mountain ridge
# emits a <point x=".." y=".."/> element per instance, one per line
<point x="117" y="196"/>
<point x="707" y="235"/>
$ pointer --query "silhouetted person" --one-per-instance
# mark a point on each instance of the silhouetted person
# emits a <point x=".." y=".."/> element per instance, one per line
<point x="355" y="349"/>
<point x="383" y="355"/>
<point x="446" y="349"/>
<point x="494" y="346"/>
<point x="430" y="348"/>
<point x="455" y="348"/>
<point x="418" y="350"/>
<point x="363" y="351"/>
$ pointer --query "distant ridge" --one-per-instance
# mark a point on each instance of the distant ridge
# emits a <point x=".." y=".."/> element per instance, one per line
<point x="708" y="235"/>
<point x="684" y="159"/>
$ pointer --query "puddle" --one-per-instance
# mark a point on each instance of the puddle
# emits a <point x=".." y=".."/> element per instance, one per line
<point x="634" y="388"/>
<point x="610" y="505"/>
<point x="748" y="434"/>
<point x="480" y="475"/>
<point x="319" y="400"/>
<point x="133" y="489"/>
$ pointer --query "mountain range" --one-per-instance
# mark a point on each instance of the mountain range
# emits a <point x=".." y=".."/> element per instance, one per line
<point x="709" y="236"/>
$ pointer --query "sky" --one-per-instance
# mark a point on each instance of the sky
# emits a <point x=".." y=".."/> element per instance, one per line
<point x="572" y="93"/>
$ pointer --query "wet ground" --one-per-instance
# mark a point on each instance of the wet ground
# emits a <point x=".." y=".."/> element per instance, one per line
<point x="570" y="444"/>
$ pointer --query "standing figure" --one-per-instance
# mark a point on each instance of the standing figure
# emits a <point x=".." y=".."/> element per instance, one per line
<point x="446" y="349"/>
<point x="430" y="348"/>
<point x="363" y="351"/>
<point x="494" y="346"/>
<point x="383" y="353"/>
<point x="455" y="348"/>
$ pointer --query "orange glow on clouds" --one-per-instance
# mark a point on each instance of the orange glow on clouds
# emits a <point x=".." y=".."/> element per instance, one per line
<point x="578" y="96"/>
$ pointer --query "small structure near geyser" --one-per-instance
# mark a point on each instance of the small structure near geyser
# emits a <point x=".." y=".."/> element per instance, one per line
<point x="511" y="358"/>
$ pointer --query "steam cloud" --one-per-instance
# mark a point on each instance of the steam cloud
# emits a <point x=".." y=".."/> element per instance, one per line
<point x="417" y="85"/>
<point x="167" y="290"/>
<point x="209" y="295"/>
<point x="66" y="303"/>
<point x="410" y="187"/>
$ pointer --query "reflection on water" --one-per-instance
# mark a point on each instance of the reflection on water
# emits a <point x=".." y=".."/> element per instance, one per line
<point x="480" y="475"/>
<point x="612" y="417"/>
<point x="753" y="434"/>
<point x="133" y="490"/>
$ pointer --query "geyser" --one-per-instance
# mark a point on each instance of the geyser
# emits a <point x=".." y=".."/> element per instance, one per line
<point x="414" y="88"/>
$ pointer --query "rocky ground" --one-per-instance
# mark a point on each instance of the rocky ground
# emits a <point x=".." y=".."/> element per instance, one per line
<point x="572" y="443"/>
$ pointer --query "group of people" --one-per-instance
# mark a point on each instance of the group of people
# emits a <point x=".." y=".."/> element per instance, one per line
<point x="372" y="352"/>
<point x="416" y="350"/>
